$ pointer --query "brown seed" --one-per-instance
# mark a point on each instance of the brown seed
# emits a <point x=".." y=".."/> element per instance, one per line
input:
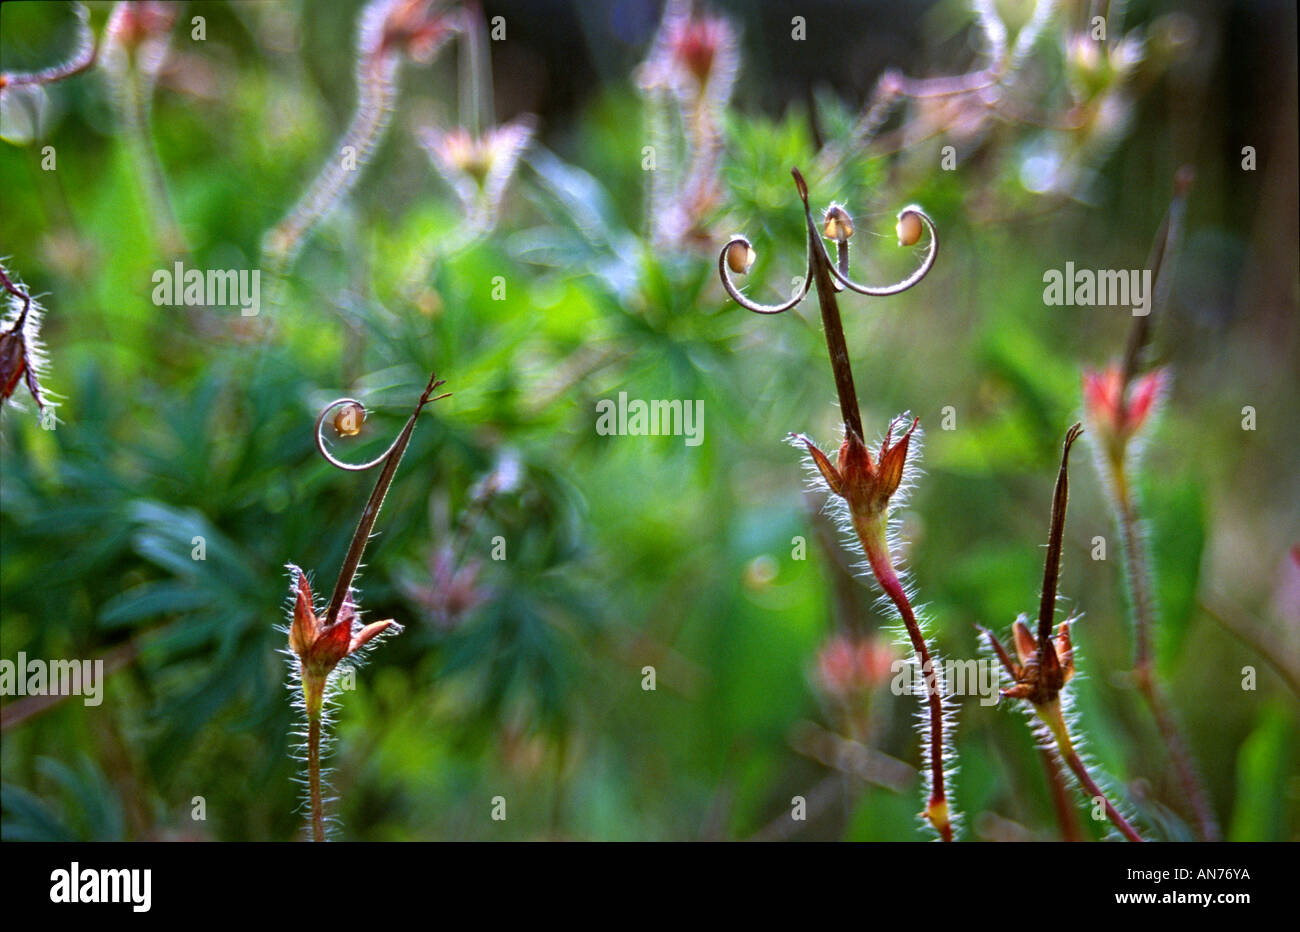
<point x="909" y="228"/>
<point x="837" y="224"/>
<point x="348" y="421"/>
<point x="13" y="360"/>
<point x="740" y="256"/>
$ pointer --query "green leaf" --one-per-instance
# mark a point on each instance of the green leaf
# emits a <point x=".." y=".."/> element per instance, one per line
<point x="149" y="600"/>
<point x="1264" y="763"/>
<point x="27" y="818"/>
<point x="1175" y="517"/>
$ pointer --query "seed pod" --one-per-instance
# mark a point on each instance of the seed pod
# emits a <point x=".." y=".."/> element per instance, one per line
<point x="348" y="420"/>
<point x="13" y="361"/>
<point x="740" y="256"/>
<point x="909" y="228"/>
<point x="837" y="224"/>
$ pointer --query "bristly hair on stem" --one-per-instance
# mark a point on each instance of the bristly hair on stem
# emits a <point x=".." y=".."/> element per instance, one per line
<point x="319" y="642"/>
<point x="866" y="487"/>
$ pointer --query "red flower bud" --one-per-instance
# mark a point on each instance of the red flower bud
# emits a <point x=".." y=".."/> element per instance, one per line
<point x="417" y="28"/>
<point x="133" y="23"/>
<point x="695" y="44"/>
<point x="847" y="669"/>
<point x="1114" y="417"/>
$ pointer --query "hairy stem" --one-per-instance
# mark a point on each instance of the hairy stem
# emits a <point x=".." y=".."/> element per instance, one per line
<point x="135" y="90"/>
<point x="1051" y="715"/>
<point x="1060" y="802"/>
<point x="882" y="567"/>
<point x="1188" y="775"/>
<point x="376" y="97"/>
<point x="1139" y="583"/>
<point x="313" y="779"/>
<point x="14" y="290"/>
<point x="1092" y="791"/>
<point x="313" y="693"/>
<point x="1135" y="569"/>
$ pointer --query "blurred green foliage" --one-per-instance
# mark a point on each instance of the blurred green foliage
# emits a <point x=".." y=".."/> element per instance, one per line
<point x="622" y="552"/>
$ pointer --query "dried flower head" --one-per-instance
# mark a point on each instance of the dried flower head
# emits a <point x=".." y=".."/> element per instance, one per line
<point x="692" y="53"/>
<point x="320" y="641"/>
<point x="1043" y="669"/>
<point x="1046" y="662"/>
<point x="865" y="484"/>
<point x="320" y="645"/>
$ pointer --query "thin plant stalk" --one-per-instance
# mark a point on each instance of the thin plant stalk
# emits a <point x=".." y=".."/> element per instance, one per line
<point x="871" y="536"/>
<point x="865" y="486"/>
<point x="1137" y="570"/>
<point x="135" y="107"/>
<point x="1046" y="615"/>
<point x="1092" y="789"/>
<point x="937" y="805"/>
<point x="313" y="768"/>
<point x="1144" y="673"/>
<point x="1060" y="800"/>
